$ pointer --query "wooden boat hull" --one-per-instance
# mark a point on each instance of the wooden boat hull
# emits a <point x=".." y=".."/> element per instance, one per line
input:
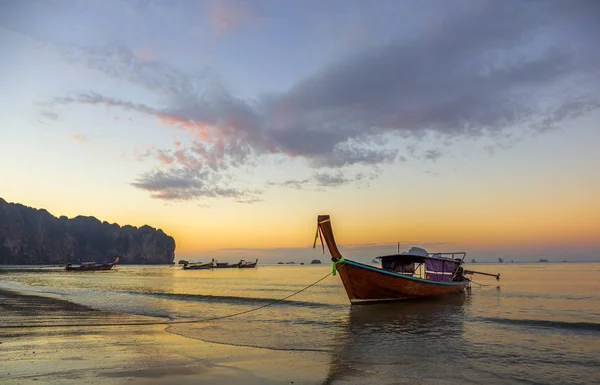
<point x="247" y="265"/>
<point x="197" y="267"/>
<point x="368" y="284"/>
<point x="89" y="268"/>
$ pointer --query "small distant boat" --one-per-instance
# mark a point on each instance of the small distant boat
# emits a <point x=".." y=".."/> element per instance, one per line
<point x="198" y="265"/>
<point x="412" y="275"/>
<point x="92" y="266"/>
<point x="224" y="265"/>
<point x="247" y="265"/>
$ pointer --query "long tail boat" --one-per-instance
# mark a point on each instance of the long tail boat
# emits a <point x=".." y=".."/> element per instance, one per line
<point x="412" y="275"/>
<point x="92" y="266"/>
<point x="224" y="265"/>
<point x="247" y="265"/>
<point x="198" y="266"/>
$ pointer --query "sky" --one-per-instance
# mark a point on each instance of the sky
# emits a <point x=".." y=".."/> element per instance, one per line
<point x="451" y="125"/>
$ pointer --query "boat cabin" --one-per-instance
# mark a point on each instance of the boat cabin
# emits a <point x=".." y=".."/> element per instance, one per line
<point x="418" y="263"/>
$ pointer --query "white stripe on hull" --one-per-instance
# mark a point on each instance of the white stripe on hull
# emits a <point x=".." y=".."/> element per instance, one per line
<point x="356" y="300"/>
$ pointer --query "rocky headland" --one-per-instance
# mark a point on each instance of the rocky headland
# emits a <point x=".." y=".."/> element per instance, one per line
<point x="30" y="236"/>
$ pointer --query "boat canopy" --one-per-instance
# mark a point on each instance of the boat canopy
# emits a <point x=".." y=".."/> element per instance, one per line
<point x="441" y="267"/>
<point x="417" y="254"/>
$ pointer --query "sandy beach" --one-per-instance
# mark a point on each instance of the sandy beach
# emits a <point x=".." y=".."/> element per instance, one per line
<point x="130" y="354"/>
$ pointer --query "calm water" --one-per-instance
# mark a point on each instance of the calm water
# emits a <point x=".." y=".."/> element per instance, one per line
<point x="539" y="324"/>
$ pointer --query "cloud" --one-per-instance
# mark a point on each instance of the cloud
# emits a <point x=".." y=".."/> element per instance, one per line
<point x="180" y="184"/>
<point x="497" y="69"/>
<point x="324" y="180"/>
<point x="432" y="155"/>
<point x="84" y="137"/>
<point x="571" y="109"/>
<point x="164" y="158"/>
<point x="48" y="115"/>
<point x="225" y="16"/>
<point x="293" y="183"/>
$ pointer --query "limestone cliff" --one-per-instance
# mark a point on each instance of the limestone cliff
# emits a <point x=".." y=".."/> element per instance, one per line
<point x="29" y="236"/>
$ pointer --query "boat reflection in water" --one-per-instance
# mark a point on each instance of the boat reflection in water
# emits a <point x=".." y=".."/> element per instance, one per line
<point x="401" y="342"/>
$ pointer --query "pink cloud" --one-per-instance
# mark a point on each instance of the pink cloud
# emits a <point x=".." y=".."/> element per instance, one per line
<point x="226" y="16"/>
<point x="140" y="155"/>
<point x="188" y="161"/>
<point x="163" y="157"/>
<point x="144" y="54"/>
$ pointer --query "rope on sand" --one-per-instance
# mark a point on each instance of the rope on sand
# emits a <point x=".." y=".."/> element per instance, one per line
<point x="164" y="322"/>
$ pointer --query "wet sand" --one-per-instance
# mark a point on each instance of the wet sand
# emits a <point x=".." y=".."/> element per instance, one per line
<point x="129" y="354"/>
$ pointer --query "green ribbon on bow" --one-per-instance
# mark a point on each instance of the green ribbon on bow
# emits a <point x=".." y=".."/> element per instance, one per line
<point x="334" y="265"/>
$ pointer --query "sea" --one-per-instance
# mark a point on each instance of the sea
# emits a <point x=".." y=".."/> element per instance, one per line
<point x="539" y="324"/>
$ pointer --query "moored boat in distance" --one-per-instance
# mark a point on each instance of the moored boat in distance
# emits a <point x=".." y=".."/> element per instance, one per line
<point x="92" y="266"/>
<point x="247" y="265"/>
<point x="224" y="265"/>
<point x="409" y="275"/>
<point x="198" y="265"/>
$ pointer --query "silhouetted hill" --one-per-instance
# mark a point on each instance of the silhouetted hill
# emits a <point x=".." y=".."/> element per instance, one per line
<point x="30" y="236"/>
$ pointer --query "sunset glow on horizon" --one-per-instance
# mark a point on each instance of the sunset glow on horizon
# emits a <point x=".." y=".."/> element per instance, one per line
<point x="232" y="125"/>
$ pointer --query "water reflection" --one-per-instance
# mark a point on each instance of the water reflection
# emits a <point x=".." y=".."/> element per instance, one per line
<point x="402" y="341"/>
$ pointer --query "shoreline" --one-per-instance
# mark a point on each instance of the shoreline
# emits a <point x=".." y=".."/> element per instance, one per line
<point x="114" y="354"/>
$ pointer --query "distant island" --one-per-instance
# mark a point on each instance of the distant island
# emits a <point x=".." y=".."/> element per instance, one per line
<point x="30" y="236"/>
<point x="315" y="261"/>
<point x="543" y="260"/>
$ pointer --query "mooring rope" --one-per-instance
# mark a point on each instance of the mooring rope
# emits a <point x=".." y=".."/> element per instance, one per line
<point x="164" y="322"/>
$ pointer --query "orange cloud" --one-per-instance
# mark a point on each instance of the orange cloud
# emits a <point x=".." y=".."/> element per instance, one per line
<point x="193" y="127"/>
<point x="83" y="137"/>
<point x="79" y="137"/>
